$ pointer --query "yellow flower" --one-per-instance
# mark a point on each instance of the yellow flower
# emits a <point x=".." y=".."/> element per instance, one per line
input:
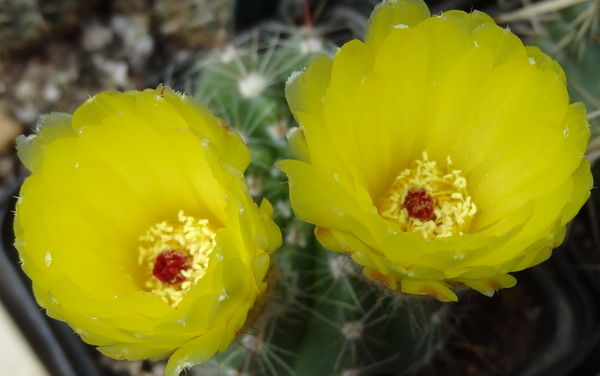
<point x="137" y="229"/>
<point x="439" y="151"/>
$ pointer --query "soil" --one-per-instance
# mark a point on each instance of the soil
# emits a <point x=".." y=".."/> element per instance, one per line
<point x="55" y="55"/>
<point x="496" y="336"/>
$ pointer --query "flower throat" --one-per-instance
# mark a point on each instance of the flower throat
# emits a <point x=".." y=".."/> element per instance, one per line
<point x="175" y="256"/>
<point x="426" y="201"/>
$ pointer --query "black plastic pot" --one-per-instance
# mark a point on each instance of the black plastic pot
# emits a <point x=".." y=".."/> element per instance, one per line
<point x="61" y="351"/>
<point x="570" y="295"/>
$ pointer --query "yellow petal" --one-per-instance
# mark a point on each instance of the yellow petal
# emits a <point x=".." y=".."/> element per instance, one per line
<point x="390" y="15"/>
<point x="465" y="95"/>
<point x="438" y="290"/>
<point x="488" y="286"/>
<point x="298" y="144"/>
<point x="305" y="90"/>
<point x="125" y="163"/>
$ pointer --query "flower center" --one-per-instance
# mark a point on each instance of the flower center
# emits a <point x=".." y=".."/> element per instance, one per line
<point x="169" y="265"/>
<point x="175" y="256"/>
<point x="419" y="204"/>
<point x="426" y="201"/>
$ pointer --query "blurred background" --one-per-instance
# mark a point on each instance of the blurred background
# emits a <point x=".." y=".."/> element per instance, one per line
<point x="55" y="54"/>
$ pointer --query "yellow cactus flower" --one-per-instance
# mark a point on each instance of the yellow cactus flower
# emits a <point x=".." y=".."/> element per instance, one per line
<point x="438" y="151"/>
<point x="137" y="229"/>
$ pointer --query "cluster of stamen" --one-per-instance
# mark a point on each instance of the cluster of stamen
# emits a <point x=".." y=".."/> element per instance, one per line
<point x="175" y="256"/>
<point x="426" y="201"/>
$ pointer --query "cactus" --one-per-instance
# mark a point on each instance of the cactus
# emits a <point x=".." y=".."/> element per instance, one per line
<point x="321" y="315"/>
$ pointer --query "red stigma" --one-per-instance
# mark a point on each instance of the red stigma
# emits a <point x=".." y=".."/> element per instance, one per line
<point x="419" y="204"/>
<point x="168" y="266"/>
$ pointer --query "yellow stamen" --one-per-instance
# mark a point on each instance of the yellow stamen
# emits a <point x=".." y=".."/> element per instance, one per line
<point x="191" y="236"/>
<point x="453" y="208"/>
